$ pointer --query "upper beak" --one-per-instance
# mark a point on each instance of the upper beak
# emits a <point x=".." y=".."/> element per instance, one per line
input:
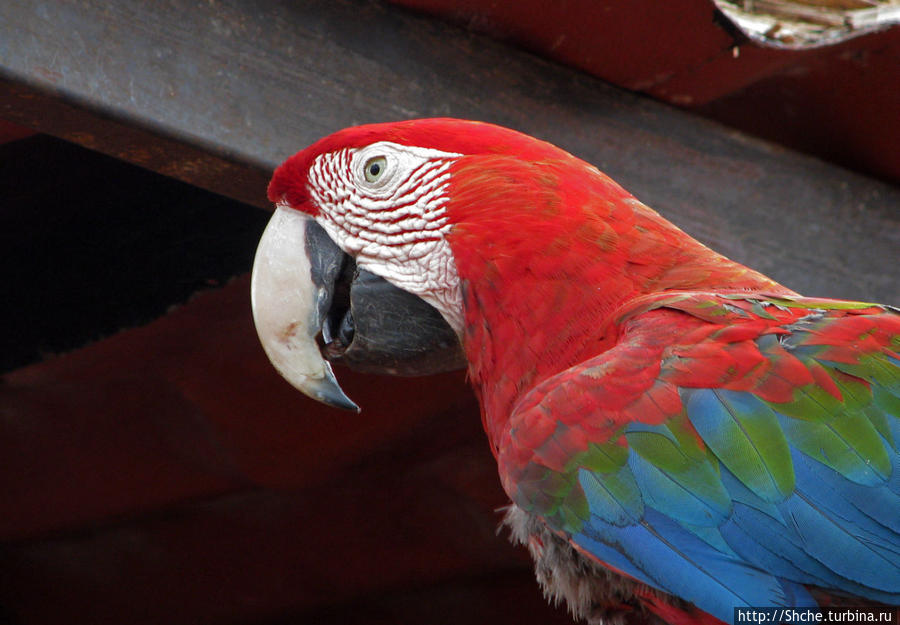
<point x="310" y="299"/>
<point x="290" y="296"/>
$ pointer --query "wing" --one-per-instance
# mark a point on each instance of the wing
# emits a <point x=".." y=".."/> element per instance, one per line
<point x="730" y="451"/>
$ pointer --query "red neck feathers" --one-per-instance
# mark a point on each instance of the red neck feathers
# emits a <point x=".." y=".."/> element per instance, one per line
<point x="547" y="250"/>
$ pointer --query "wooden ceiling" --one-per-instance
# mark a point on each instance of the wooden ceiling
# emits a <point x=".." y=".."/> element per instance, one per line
<point x="837" y="99"/>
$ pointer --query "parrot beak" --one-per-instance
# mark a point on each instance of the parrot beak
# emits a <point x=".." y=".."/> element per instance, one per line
<point x="311" y="302"/>
<point x="290" y="297"/>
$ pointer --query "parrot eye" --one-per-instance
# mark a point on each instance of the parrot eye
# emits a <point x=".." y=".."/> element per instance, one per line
<point x="374" y="168"/>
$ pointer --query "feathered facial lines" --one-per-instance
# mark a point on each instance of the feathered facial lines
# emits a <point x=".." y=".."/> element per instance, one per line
<point x="385" y="193"/>
<point x="384" y="204"/>
<point x="384" y="200"/>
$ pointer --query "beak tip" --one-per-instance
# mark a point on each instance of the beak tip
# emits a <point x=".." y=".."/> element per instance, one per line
<point x="327" y="390"/>
<point x="337" y="399"/>
<point x="285" y="305"/>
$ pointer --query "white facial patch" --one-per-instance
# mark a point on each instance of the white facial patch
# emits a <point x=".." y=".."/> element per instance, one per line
<point x="384" y="204"/>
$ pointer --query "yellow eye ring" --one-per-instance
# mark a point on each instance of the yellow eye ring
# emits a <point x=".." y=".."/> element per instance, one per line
<point x="374" y="168"/>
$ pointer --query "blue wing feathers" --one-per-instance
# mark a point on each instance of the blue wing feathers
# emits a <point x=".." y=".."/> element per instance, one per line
<point x="596" y="539"/>
<point x="621" y="506"/>
<point x="670" y="493"/>
<point x="740" y="494"/>
<point x="712" y="536"/>
<point x="783" y="496"/>
<point x="877" y="509"/>
<point x="838" y="528"/>
<point x="822" y="442"/>
<point x="825" y="539"/>
<point x="893" y="482"/>
<point x="756" y="539"/>
<point x="722" y="418"/>
<point x="683" y="564"/>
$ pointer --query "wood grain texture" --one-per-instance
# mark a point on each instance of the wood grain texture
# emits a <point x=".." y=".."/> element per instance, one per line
<point x="690" y="54"/>
<point x="249" y="83"/>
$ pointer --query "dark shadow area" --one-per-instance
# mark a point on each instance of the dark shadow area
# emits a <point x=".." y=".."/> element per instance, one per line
<point x="91" y="245"/>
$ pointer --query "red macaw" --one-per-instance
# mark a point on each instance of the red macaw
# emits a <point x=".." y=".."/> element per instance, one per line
<point x="679" y="435"/>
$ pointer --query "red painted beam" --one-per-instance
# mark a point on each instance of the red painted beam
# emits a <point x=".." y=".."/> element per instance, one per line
<point x="12" y="132"/>
<point x="837" y="101"/>
<point x="185" y="407"/>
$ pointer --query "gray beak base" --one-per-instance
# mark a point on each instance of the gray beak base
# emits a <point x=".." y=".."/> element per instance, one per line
<point x="310" y="302"/>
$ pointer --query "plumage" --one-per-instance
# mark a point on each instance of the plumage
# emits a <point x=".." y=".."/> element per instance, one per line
<point x="738" y="470"/>
<point x="683" y="431"/>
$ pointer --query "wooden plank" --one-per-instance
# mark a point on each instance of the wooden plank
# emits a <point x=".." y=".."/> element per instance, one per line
<point x="248" y="83"/>
<point x="11" y="132"/>
<point x="96" y="127"/>
<point x="691" y="54"/>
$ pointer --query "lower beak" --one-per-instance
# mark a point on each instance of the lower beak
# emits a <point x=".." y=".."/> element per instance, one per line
<point x="311" y="302"/>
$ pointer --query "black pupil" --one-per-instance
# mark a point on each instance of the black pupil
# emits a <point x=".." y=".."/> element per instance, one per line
<point x="374" y="169"/>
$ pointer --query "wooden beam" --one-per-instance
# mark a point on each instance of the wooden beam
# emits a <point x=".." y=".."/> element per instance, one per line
<point x="692" y="55"/>
<point x="217" y="94"/>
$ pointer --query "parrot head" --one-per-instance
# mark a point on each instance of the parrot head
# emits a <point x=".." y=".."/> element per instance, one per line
<point x="399" y="247"/>
<point x="355" y="264"/>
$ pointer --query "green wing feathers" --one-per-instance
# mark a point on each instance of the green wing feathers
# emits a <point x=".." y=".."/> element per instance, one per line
<point x="762" y="434"/>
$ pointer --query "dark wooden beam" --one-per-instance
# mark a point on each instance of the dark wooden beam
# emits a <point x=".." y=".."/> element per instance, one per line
<point x="217" y="94"/>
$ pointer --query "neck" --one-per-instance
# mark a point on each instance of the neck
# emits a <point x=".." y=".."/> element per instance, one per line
<point x="542" y="277"/>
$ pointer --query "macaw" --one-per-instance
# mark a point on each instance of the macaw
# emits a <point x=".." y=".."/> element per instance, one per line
<point x="678" y="434"/>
